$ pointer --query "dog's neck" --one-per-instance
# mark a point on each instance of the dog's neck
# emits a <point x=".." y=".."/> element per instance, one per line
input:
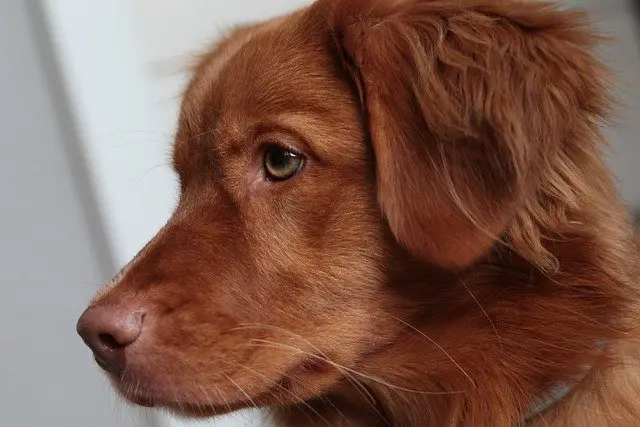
<point x="377" y="401"/>
<point x="471" y="352"/>
<point x="585" y="406"/>
<point x="476" y="397"/>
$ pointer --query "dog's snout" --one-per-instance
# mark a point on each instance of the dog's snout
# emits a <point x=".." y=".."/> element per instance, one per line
<point x="108" y="330"/>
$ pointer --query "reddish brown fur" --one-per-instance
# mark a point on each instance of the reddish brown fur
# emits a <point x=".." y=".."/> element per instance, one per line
<point x="452" y="249"/>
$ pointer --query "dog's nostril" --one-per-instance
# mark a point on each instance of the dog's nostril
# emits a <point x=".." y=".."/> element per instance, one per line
<point x="108" y="341"/>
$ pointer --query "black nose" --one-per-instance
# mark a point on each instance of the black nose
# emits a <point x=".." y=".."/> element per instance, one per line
<point x="108" y="330"/>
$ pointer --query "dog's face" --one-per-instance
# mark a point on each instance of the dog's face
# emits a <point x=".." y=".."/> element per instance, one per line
<point x="272" y="261"/>
<point x="323" y="161"/>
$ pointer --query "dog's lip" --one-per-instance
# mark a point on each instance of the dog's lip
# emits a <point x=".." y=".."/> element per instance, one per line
<point x="279" y="391"/>
<point x="102" y="364"/>
<point x="141" y="400"/>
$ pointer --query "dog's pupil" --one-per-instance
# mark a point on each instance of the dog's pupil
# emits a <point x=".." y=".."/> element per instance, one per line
<point x="280" y="159"/>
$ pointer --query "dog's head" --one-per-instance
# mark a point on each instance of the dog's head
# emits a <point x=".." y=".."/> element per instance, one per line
<point x="334" y="164"/>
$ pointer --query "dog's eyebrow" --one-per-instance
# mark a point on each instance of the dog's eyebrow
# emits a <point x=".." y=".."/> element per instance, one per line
<point x="300" y="127"/>
<point x="301" y="130"/>
<point x="313" y="131"/>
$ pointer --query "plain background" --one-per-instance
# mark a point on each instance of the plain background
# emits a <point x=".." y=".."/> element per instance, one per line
<point x="88" y="99"/>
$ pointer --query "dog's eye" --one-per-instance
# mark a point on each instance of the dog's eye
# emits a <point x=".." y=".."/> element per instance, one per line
<point x="281" y="164"/>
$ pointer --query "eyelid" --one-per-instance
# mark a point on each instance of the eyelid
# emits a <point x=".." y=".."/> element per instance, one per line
<point x="288" y="140"/>
<point x="270" y="143"/>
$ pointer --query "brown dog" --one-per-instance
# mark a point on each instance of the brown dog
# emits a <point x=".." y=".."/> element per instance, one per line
<point x="392" y="213"/>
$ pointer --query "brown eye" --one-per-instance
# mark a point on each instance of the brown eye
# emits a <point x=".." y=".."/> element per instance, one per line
<point x="281" y="164"/>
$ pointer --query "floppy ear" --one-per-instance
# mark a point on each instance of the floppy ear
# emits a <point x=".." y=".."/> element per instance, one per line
<point x="467" y="103"/>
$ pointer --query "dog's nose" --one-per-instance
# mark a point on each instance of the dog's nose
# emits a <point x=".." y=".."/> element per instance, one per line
<point x="108" y="330"/>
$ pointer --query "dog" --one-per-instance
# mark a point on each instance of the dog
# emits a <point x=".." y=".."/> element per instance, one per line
<point x="392" y="213"/>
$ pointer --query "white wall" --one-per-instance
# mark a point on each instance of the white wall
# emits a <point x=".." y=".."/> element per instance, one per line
<point x="52" y="256"/>
<point x="98" y="44"/>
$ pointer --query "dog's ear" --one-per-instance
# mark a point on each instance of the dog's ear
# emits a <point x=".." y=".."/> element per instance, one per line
<point x="467" y="103"/>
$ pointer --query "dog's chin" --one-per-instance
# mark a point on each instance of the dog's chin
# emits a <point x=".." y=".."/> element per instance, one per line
<point x="181" y="406"/>
<point x="182" y="403"/>
<point x="183" y="409"/>
<point x="306" y="381"/>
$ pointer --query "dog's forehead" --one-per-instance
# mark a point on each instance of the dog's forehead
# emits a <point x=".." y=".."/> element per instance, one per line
<point x="283" y="76"/>
<point x="260" y="72"/>
<point x="207" y="68"/>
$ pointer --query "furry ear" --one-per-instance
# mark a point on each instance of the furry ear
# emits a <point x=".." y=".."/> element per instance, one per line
<point x="467" y="104"/>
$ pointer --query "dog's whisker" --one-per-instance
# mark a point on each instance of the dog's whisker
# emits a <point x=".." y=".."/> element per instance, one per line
<point x="196" y="136"/>
<point x="588" y="409"/>
<point x="147" y="171"/>
<point x="272" y="344"/>
<point x="279" y="386"/>
<point x="244" y="393"/>
<point x="493" y="326"/>
<point x="365" y="393"/>
<point x="433" y="342"/>
<point x="347" y="373"/>
<point x="176" y="397"/>
<point x="362" y="390"/>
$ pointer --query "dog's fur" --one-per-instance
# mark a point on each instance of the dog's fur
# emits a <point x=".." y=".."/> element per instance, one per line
<point x="452" y="249"/>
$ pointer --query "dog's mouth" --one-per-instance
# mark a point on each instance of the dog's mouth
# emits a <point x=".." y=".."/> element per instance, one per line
<point x="305" y="380"/>
<point x="140" y="399"/>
